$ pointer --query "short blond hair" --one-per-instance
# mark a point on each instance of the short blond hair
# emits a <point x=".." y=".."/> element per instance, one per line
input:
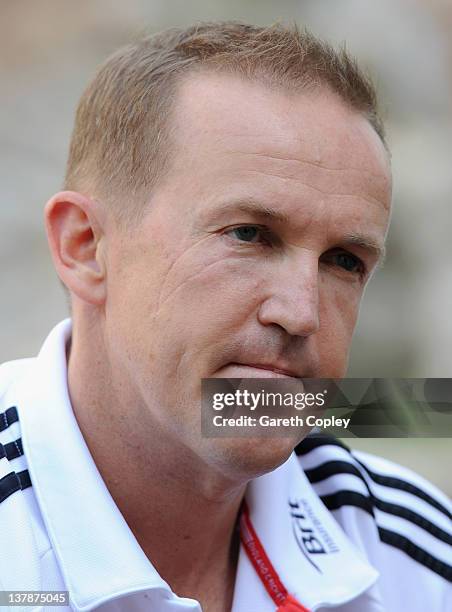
<point x="121" y="141"/>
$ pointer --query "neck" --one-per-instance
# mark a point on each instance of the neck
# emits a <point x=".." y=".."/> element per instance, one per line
<point x="181" y="512"/>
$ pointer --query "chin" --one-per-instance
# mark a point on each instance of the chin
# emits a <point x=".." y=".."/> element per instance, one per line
<point x="246" y="458"/>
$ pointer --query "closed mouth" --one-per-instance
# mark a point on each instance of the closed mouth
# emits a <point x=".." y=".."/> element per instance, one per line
<point x="267" y="367"/>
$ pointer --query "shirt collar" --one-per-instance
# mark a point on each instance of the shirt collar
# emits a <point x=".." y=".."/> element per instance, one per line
<point x="310" y="552"/>
<point x="81" y="516"/>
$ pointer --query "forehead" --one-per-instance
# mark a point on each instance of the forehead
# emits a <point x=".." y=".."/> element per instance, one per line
<point x="306" y="156"/>
<point x="218" y="115"/>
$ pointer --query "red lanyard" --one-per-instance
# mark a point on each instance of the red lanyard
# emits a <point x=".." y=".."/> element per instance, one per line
<point x="264" y="568"/>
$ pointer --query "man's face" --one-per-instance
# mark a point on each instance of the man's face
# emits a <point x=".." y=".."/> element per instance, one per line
<point x="252" y="258"/>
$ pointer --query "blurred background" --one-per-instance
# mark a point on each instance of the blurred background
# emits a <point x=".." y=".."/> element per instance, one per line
<point x="49" y="51"/>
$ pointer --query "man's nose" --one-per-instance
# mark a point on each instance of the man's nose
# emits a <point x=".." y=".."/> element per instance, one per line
<point x="292" y="300"/>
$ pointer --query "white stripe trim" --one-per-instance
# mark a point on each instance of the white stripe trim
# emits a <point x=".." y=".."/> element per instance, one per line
<point x="340" y="482"/>
<point x="321" y="454"/>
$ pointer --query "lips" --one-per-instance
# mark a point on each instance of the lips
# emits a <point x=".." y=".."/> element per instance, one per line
<point x="256" y="370"/>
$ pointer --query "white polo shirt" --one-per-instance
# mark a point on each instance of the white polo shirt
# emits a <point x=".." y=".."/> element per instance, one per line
<point x="344" y="531"/>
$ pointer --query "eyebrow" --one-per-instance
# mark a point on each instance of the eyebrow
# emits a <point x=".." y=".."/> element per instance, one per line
<point x="368" y="243"/>
<point x="253" y="207"/>
<point x="258" y="209"/>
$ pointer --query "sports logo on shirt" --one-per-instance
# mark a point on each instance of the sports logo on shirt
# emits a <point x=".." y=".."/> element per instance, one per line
<point x="310" y="534"/>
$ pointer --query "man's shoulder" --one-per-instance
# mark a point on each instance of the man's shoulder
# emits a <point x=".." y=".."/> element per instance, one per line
<point x="12" y="376"/>
<point x="400" y="520"/>
<point x="22" y="531"/>
<point x="324" y="457"/>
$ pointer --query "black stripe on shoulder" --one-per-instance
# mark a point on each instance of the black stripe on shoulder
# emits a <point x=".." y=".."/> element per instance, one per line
<point x="315" y="440"/>
<point x="13" y="482"/>
<point x="415" y="552"/>
<point x="368" y="503"/>
<point x="14" y="449"/>
<point x="9" y="484"/>
<point x="351" y="498"/>
<point x="397" y="483"/>
<point x="334" y="501"/>
<point x="8" y="417"/>
<point x="332" y="468"/>
<point x="24" y="479"/>
<point x="342" y="467"/>
<point x="415" y="518"/>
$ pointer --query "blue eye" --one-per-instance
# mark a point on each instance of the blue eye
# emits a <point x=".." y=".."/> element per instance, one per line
<point x="348" y="262"/>
<point x="246" y="233"/>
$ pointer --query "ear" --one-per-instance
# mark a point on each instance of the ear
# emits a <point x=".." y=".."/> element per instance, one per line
<point x="75" y="235"/>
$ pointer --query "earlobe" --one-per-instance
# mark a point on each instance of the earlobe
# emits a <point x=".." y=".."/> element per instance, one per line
<point x="75" y="236"/>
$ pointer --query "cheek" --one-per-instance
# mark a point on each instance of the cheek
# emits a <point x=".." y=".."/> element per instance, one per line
<point x="201" y="300"/>
<point x="203" y="309"/>
<point x="339" y="308"/>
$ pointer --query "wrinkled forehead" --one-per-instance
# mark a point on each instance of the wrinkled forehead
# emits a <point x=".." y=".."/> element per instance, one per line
<point x="221" y="119"/>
